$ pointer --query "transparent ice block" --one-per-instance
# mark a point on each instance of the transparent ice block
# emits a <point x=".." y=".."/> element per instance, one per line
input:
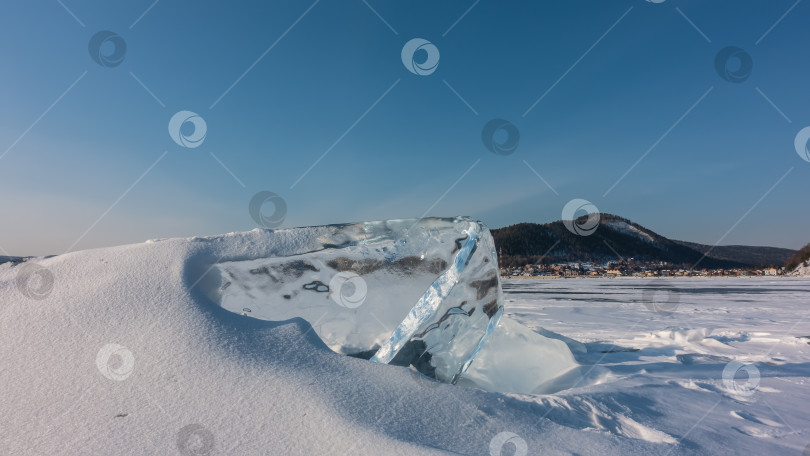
<point x="422" y="293"/>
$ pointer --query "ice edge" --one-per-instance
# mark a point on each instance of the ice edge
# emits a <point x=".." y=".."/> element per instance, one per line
<point x="429" y="303"/>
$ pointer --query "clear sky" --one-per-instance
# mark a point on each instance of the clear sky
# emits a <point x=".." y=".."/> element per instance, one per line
<point x="592" y="86"/>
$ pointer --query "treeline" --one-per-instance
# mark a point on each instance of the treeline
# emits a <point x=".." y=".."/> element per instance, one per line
<point x="798" y="258"/>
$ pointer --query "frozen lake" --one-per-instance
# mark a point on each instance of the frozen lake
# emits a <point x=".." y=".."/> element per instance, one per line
<point x="719" y="365"/>
<point x="602" y="309"/>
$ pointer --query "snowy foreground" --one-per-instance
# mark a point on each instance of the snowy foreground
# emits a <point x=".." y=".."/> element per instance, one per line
<point x="127" y="355"/>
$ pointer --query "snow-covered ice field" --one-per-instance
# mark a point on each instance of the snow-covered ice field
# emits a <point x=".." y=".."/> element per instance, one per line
<point x="662" y="345"/>
<point x="126" y="355"/>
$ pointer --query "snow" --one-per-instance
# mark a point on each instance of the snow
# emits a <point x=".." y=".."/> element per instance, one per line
<point x="118" y="351"/>
<point x="666" y="364"/>
<point x="626" y="228"/>
<point x="802" y="270"/>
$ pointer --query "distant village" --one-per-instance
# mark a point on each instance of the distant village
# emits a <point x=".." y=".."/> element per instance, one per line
<point x="627" y="268"/>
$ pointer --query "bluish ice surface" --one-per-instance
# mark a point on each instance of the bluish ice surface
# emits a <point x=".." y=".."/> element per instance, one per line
<point x="423" y="293"/>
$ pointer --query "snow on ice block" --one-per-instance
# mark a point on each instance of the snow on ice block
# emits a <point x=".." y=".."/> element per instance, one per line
<point x="423" y="293"/>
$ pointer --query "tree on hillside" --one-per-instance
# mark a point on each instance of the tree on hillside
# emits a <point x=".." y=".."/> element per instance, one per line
<point x="798" y="258"/>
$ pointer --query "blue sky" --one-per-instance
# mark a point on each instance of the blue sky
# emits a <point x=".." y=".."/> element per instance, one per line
<point x="87" y="159"/>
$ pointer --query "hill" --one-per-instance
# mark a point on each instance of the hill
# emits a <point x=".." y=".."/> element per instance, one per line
<point x="798" y="259"/>
<point x="7" y="259"/>
<point x="750" y="255"/>
<point x="618" y="238"/>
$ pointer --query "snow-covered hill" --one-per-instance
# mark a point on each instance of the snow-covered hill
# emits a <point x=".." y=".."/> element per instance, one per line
<point x="530" y="242"/>
<point x="802" y="270"/>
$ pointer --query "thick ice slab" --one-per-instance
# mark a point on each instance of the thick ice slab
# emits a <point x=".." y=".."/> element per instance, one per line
<point x="422" y="292"/>
<point x="515" y="359"/>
